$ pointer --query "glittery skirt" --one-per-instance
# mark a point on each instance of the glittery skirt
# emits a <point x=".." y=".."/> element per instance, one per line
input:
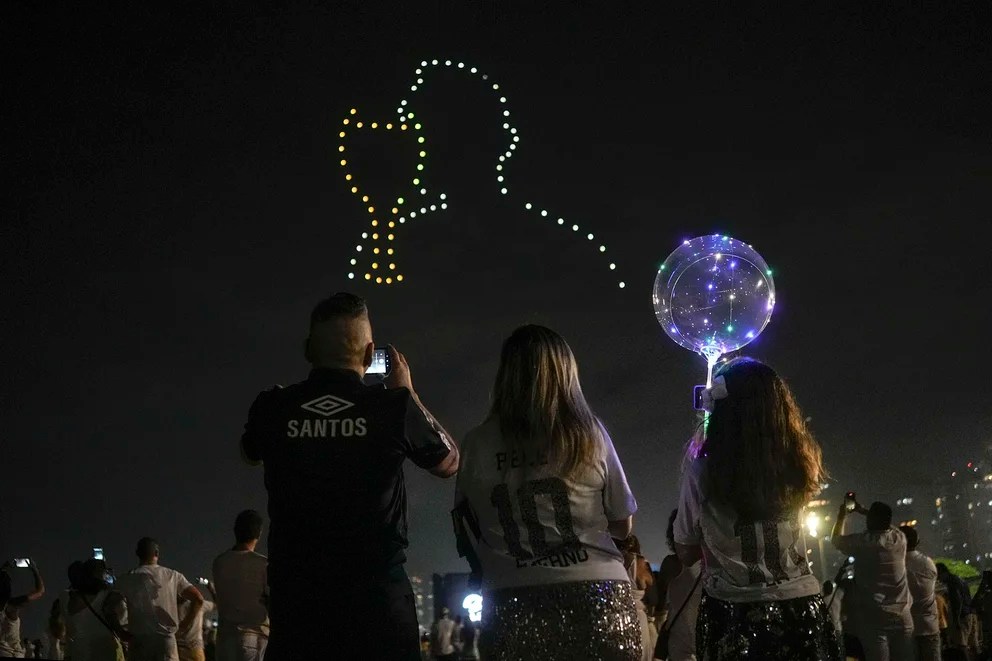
<point x="566" y="621"/>
<point x="793" y="629"/>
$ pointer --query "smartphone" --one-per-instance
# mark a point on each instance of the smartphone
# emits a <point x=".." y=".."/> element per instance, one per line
<point x="850" y="501"/>
<point x="98" y="553"/>
<point x="202" y="581"/>
<point x="380" y="362"/>
<point x="24" y="563"/>
<point x="697" y="397"/>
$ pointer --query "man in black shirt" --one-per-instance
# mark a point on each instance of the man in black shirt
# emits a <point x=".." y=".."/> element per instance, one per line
<point x="333" y="450"/>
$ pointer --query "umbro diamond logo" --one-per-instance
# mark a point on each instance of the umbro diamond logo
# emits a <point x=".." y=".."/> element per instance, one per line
<point x="327" y="405"/>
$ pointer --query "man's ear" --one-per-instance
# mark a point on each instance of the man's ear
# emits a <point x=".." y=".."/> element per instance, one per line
<point x="306" y="350"/>
<point x="369" y="353"/>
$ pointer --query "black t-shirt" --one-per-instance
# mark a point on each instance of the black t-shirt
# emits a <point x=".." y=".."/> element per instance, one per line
<point x="333" y="450"/>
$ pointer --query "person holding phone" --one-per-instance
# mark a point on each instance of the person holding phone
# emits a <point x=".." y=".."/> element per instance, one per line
<point x="10" y="606"/>
<point x="881" y="588"/>
<point x="333" y="451"/>
<point x="540" y="495"/>
<point x="750" y="472"/>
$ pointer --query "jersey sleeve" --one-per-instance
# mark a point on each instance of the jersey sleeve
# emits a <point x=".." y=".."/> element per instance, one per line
<point x="254" y="436"/>
<point x="422" y="439"/>
<point x="688" y="530"/>
<point x="618" y="499"/>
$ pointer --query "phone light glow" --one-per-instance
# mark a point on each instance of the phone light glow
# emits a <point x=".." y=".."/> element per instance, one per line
<point x="372" y="272"/>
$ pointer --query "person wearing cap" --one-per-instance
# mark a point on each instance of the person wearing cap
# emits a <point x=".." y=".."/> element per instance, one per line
<point x="881" y="588"/>
<point x="90" y="614"/>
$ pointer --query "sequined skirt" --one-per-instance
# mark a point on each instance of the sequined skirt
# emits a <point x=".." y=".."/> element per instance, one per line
<point x="793" y="629"/>
<point x="566" y="621"/>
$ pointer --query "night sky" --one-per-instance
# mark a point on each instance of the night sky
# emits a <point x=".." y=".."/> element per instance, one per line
<point x="173" y="208"/>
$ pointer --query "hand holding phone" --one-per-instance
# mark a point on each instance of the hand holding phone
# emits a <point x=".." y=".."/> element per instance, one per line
<point x="850" y="501"/>
<point x="381" y="362"/>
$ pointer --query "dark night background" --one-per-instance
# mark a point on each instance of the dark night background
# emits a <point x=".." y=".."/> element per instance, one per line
<point x="173" y="207"/>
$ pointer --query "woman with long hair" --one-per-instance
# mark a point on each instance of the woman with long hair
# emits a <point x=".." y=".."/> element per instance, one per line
<point x="741" y="504"/>
<point x="540" y="494"/>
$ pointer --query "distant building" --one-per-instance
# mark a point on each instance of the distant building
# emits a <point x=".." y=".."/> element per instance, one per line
<point x="964" y="514"/>
<point x="423" y="593"/>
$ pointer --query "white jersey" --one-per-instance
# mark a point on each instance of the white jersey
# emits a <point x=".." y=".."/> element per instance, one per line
<point x="152" y="593"/>
<point x="745" y="560"/>
<point x="535" y="527"/>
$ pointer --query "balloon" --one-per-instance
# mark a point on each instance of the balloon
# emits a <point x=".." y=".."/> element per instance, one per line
<point x="714" y="295"/>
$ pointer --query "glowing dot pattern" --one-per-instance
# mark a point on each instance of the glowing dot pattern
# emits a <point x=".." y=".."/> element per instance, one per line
<point x="383" y="242"/>
<point x="406" y="116"/>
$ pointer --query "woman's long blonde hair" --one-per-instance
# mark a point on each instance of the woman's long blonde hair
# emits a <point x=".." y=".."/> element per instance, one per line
<point x="539" y="404"/>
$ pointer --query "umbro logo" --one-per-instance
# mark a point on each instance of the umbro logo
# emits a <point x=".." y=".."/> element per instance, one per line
<point x="327" y="405"/>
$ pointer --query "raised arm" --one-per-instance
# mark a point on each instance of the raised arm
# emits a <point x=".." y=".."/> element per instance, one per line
<point x="37" y="593"/>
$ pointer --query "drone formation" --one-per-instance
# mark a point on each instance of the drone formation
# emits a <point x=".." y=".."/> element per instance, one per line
<point x="375" y="259"/>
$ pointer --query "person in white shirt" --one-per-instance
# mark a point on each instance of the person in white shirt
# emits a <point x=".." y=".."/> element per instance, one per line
<point x="681" y="593"/>
<point x="190" y="641"/>
<point x="241" y="579"/>
<point x="750" y="473"/>
<point x="540" y="495"/>
<point x="443" y="645"/>
<point x="921" y="575"/>
<point x="90" y="614"/>
<point x="10" y="609"/>
<point x="880" y="587"/>
<point x="152" y="593"/>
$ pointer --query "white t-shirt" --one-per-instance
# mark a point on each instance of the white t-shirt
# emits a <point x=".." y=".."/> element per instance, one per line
<point x="192" y="638"/>
<point x="444" y="632"/>
<point x="87" y="638"/>
<point x="537" y="528"/>
<point x="921" y="574"/>
<point x="152" y="594"/>
<point x="10" y="636"/>
<point x="241" y="581"/>
<point x="880" y="585"/>
<point x="745" y="560"/>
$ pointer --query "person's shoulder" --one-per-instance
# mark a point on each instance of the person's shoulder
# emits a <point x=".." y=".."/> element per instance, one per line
<point x="258" y="558"/>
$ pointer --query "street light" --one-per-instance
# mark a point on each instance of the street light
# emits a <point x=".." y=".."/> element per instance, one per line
<point x="813" y="526"/>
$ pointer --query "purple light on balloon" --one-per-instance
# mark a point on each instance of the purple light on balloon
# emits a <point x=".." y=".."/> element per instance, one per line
<point x="750" y="335"/>
<point x="710" y="286"/>
<point x="733" y="265"/>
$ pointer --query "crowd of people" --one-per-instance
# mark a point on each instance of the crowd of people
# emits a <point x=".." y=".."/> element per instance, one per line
<point x="543" y="514"/>
<point x="150" y="613"/>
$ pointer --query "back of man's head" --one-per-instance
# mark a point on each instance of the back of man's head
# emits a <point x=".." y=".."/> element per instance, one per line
<point x="147" y="549"/>
<point x="340" y="333"/>
<point x="879" y="517"/>
<point x="912" y="537"/>
<point x="248" y="526"/>
<point x="942" y="569"/>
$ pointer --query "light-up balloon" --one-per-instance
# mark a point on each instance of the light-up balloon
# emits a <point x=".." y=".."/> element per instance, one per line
<point x="714" y="295"/>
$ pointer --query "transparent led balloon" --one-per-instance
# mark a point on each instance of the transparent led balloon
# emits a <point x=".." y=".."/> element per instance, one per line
<point x="714" y="295"/>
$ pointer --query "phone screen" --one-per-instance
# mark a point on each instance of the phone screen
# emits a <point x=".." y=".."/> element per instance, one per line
<point x="98" y="553"/>
<point x="850" y="501"/>
<point x="22" y="562"/>
<point x="380" y="362"/>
